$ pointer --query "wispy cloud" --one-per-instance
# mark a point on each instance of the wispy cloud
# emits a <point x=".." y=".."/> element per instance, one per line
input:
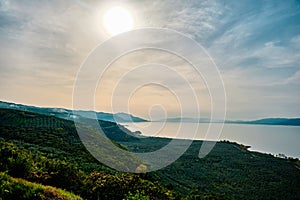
<point x="256" y="46"/>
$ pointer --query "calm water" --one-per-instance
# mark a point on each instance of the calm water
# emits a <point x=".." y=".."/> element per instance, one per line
<point x="262" y="138"/>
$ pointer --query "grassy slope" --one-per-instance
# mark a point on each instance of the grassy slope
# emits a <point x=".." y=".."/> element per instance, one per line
<point x="56" y="138"/>
<point x="16" y="188"/>
<point x="228" y="171"/>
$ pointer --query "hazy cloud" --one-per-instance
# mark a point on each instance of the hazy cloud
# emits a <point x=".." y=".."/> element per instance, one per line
<point x="256" y="46"/>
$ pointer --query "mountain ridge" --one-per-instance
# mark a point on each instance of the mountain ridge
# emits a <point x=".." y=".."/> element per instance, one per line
<point x="68" y="114"/>
<point x="263" y="121"/>
<point x="122" y="117"/>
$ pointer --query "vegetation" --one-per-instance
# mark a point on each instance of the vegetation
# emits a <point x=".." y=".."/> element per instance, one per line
<point x="39" y="154"/>
<point x="16" y="188"/>
<point x="18" y="162"/>
<point x="56" y="138"/>
<point x="62" y="161"/>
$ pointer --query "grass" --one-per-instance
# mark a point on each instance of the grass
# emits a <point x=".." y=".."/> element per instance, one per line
<point x="17" y="188"/>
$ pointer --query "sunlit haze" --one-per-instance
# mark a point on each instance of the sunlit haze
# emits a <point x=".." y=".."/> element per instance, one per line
<point x="255" y="45"/>
<point x="117" y="20"/>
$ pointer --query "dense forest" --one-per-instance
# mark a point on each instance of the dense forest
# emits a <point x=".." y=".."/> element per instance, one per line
<point x="42" y="157"/>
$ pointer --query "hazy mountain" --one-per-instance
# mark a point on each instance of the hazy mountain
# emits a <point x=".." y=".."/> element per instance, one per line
<point x="70" y="115"/>
<point x="185" y="119"/>
<point x="271" y="121"/>
<point x="124" y="117"/>
<point x="265" y="121"/>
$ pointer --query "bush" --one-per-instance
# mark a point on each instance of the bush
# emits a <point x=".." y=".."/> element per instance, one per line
<point x="137" y="196"/>
<point x="100" y="185"/>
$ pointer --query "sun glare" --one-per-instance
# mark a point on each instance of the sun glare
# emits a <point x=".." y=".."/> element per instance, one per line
<point x="117" y="20"/>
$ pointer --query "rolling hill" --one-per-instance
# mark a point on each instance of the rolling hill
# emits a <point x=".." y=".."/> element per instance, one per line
<point x="46" y="150"/>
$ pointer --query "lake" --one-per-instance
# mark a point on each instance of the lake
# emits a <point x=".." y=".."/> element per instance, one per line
<point x="262" y="138"/>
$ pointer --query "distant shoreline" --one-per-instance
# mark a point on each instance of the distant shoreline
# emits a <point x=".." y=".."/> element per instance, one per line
<point x="264" y="121"/>
<point x="250" y="147"/>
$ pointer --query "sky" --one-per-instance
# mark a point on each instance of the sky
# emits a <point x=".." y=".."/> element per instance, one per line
<point x="255" y="45"/>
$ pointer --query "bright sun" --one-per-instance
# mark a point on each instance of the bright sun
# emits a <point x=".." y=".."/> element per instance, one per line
<point x="117" y="20"/>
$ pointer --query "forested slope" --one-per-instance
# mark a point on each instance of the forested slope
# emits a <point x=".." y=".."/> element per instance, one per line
<point x="46" y="150"/>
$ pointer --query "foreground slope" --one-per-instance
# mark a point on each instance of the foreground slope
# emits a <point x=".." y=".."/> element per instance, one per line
<point x="48" y="151"/>
<point x="16" y="188"/>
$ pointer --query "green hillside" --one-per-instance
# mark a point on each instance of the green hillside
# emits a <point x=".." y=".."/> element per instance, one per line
<point x="50" y="153"/>
<point x="45" y="150"/>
